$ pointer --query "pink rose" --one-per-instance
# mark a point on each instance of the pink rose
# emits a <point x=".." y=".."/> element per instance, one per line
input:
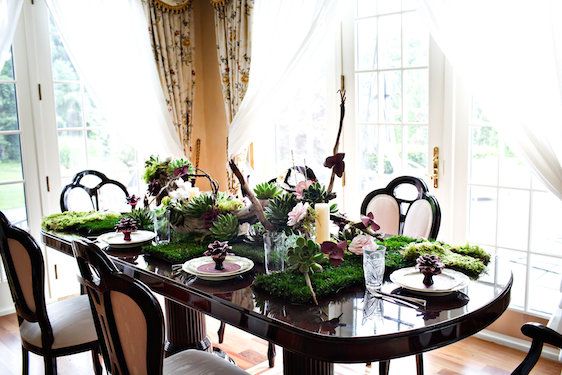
<point x="359" y="242"/>
<point x="297" y="214"/>
<point x="302" y="186"/>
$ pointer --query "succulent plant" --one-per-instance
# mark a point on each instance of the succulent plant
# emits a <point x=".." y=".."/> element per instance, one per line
<point x="278" y="209"/>
<point x="429" y="265"/>
<point x="143" y="217"/>
<point x="305" y="257"/>
<point x="180" y="167"/>
<point x="132" y="201"/>
<point x="218" y="251"/>
<point x="267" y="190"/>
<point x="317" y="193"/>
<point x="225" y="227"/>
<point x="226" y="203"/>
<point x="199" y="204"/>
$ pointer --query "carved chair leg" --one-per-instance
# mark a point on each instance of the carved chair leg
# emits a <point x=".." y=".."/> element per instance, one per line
<point x="50" y="365"/>
<point x="271" y="354"/>
<point x="24" y="361"/>
<point x="96" y="361"/>
<point x="384" y="367"/>
<point x="220" y="332"/>
<point x="530" y="360"/>
<point x="419" y="364"/>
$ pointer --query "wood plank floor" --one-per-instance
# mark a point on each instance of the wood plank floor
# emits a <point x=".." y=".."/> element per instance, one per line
<point x="471" y="356"/>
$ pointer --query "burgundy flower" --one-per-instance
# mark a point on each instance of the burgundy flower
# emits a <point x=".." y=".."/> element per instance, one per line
<point x="181" y="171"/>
<point x="210" y="216"/>
<point x="334" y="251"/>
<point x="369" y="221"/>
<point x="133" y="200"/>
<point x="336" y="162"/>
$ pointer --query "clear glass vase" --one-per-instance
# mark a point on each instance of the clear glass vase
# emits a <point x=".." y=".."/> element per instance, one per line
<point x="275" y="246"/>
<point x="162" y="226"/>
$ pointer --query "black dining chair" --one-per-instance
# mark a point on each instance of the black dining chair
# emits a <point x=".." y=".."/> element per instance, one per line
<point x="54" y="330"/>
<point x="540" y="335"/>
<point x="130" y="321"/>
<point x="88" y="186"/>
<point x="404" y="207"/>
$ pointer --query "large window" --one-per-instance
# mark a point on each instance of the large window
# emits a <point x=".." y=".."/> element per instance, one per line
<point x="514" y="216"/>
<point x="12" y="192"/>
<point x="85" y="139"/>
<point x="391" y="92"/>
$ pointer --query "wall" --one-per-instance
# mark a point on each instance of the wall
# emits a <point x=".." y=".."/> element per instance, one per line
<point x="209" y="119"/>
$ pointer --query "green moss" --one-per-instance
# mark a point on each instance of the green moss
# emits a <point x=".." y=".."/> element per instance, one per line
<point x="474" y="251"/>
<point x="176" y="251"/>
<point x="470" y="266"/>
<point x="253" y="252"/>
<point x="394" y="245"/>
<point x="292" y="287"/>
<point x="84" y="223"/>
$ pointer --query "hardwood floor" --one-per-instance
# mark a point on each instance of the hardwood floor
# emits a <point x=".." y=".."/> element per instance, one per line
<point x="471" y="357"/>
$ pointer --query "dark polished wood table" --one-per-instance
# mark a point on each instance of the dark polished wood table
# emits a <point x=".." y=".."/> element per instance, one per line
<point x="352" y="327"/>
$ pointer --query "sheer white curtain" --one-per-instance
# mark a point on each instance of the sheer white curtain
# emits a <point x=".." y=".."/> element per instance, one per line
<point x="511" y="52"/>
<point x="9" y="15"/>
<point x="292" y="40"/>
<point x="108" y="43"/>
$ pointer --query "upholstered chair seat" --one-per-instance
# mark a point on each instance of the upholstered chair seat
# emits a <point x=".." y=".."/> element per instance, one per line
<point x="71" y="322"/>
<point x="195" y="362"/>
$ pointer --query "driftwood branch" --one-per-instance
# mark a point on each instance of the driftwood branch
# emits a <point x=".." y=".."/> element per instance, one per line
<point x="256" y="205"/>
<point x="337" y="144"/>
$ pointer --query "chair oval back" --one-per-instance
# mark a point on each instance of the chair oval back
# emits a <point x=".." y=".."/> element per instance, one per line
<point x="87" y="186"/>
<point x="405" y="207"/>
<point x="23" y="262"/>
<point x="126" y="314"/>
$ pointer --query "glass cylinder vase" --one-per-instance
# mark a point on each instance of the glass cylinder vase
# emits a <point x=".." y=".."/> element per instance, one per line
<point x="275" y="248"/>
<point x="162" y="226"/>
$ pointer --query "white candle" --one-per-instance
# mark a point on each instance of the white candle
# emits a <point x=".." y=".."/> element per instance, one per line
<point x="322" y="222"/>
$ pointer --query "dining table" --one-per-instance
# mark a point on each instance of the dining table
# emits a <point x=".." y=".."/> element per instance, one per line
<point x="352" y="326"/>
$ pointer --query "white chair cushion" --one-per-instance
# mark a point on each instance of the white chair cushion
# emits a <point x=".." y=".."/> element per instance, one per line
<point x="418" y="220"/>
<point x="196" y="362"/>
<point x="71" y="321"/>
<point x="386" y="213"/>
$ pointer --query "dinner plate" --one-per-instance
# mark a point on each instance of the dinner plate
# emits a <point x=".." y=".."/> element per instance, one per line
<point x="116" y="239"/>
<point x="447" y="282"/>
<point x="204" y="267"/>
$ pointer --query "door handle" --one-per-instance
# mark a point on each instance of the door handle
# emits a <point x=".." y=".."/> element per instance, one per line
<point x="435" y="167"/>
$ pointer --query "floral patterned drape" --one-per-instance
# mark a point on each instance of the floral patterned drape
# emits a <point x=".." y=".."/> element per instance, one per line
<point x="233" y="22"/>
<point x="171" y="31"/>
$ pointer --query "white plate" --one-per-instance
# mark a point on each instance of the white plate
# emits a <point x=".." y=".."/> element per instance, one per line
<point x="191" y="266"/>
<point x="116" y="239"/>
<point x="447" y="282"/>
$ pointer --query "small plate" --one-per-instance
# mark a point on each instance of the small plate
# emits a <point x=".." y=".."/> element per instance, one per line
<point x="203" y="267"/>
<point x="116" y="239"/>
<point x="447" y="282"/>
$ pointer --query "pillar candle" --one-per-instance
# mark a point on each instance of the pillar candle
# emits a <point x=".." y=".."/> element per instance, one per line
<point x="322" y="222"/>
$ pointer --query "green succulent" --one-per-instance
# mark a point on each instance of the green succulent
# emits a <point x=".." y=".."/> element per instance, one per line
<point x="179" y="164"/>
<point x="143" y="216"/>
<point x="226" y="203"/>
<point x="198" y="205"/>
<point x="225" y="227"/>
<point x="317" y="193"/>
<point x="154" y="168"/>
<point x="267" y="190"/>
<point x="278" y="209"/>
<point x="305" y="257"/>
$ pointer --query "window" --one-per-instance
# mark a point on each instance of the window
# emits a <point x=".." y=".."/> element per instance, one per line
<point x="85" y="139"/>
<point x="391" y="73"/>
<point x="12" y="190"/>
<point x="514" y="216"/>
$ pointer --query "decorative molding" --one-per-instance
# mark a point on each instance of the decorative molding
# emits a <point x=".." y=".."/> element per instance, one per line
<point x="218" y="4"/>
<point x="173" y="6"/>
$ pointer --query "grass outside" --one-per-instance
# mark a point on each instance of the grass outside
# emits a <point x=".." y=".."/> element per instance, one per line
<point x="12" y="195"/>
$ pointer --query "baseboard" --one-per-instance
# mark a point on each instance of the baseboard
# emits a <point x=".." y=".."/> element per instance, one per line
<point x="7" y="310"/>
<point x="515" y="343"/>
